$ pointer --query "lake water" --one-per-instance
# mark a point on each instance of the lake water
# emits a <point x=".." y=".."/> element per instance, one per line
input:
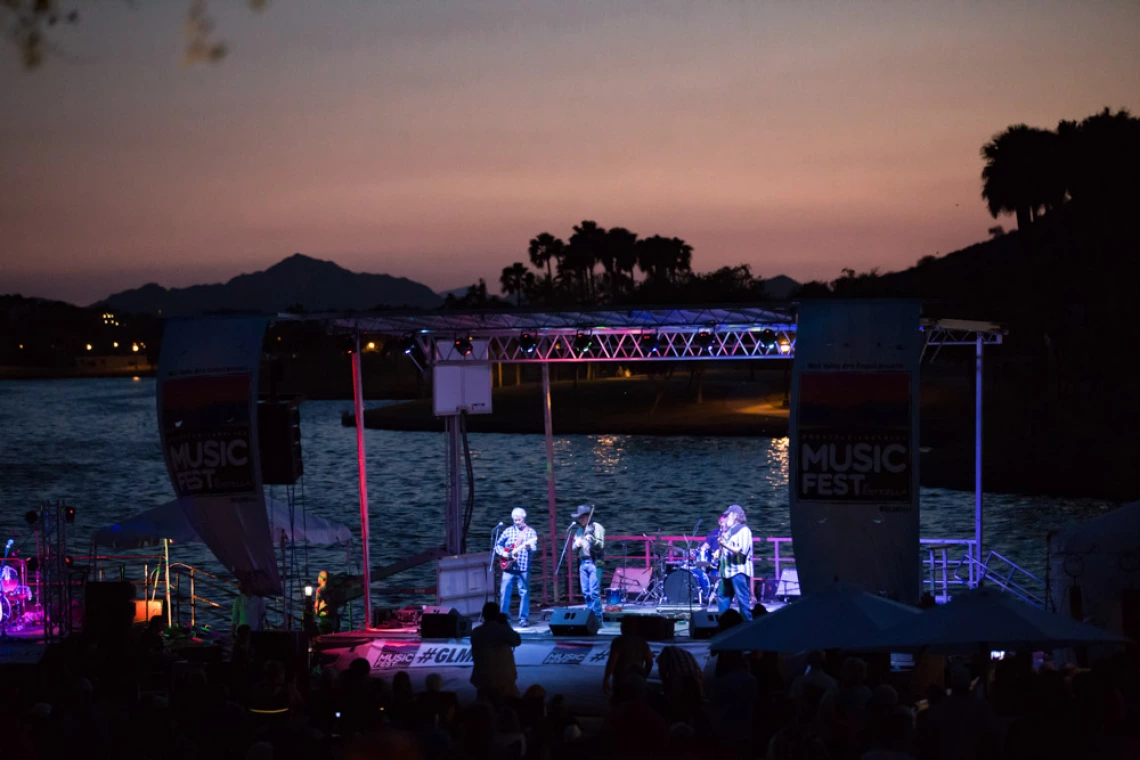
<point x="94" y="444"/>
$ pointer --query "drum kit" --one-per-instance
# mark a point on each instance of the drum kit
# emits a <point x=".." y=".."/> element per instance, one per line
<point x="680" y="577"/>
<point x="15" y="594"/>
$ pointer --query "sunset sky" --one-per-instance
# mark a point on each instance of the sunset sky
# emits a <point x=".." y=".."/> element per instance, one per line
<point x="432" y="139"/>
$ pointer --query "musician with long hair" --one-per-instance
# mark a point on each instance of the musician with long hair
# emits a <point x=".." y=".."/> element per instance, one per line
<point x="514" y="548"/>
<point x="736" y="570"/>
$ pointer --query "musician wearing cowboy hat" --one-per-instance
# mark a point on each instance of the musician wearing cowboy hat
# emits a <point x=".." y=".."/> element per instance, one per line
<point x="590" y="547"/>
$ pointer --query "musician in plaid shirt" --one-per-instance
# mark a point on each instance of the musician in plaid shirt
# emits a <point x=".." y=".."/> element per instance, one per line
<point x="515" y="546"/>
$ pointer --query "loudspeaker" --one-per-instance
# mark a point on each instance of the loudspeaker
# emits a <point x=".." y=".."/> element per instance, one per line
<point x="108" y="608"/>
<point x="443" y="623"/>
<point x="279" y="440"/>
<point x="649" y="627"/>
<point x="576" y="622"/>
<point x="703" y="624"/>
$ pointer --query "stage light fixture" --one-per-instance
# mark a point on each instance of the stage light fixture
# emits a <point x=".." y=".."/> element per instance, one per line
<point x="703" y="340"/>
<point x="785" y="346"/>
<point x="583" y="342"/>
<point x="408" y="346"/>
<point x="31" y="516"/>
<point x="527" y="343"/>
<point x="649" y="343"/>
<point x="69" y="514"/>
<point x="463" y="346"/>
<point x="768" y="339"/>
<point x="308" y="591"/>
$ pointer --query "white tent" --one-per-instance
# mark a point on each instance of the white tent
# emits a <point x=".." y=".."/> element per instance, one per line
<point x="987" y="617"/>
<point x="169" y="521"/>
<point x="1101" y="557"/>
<point x="836" y="618"/>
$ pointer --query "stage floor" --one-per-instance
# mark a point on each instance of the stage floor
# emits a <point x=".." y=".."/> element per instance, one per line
<point x="569" y="665"/>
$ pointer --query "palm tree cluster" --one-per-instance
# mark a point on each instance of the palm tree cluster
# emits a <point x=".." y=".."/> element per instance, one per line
<point x="1029" y="170"/>
<point x="598" y="266"/>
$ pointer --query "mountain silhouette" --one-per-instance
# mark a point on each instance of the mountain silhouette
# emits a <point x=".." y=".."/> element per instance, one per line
<point x="314" y="284"/>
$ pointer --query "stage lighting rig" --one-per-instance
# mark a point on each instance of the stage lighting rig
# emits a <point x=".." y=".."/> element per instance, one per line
<point x="527" y="343"/>
<point x="650" y="343"/>
<point x="463" y="346"/>
<point x="703" y="340"/>
<point x="583" y="342"/>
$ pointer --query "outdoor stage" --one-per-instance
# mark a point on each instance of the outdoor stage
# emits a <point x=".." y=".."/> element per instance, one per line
<point x="572" y="666"/>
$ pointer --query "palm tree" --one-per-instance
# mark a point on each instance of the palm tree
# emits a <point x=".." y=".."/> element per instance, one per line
<point x="619" y="256"/>
<point x="585" y="249"/>
<point x="516" y="280"/>
<point x="542" y="249"/>
<point x="1023" y="173"/>
<point x="662" y="259"/>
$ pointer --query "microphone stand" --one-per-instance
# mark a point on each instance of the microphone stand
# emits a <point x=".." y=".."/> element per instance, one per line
<point x="491" y="563"/>
<point x="565" y="546"/>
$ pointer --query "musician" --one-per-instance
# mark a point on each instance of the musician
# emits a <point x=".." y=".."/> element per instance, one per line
<point x="735" y="562"/>
<point x="515" y="546"/>
<point x="710" y="553"/>
<point x="590" y="546"/>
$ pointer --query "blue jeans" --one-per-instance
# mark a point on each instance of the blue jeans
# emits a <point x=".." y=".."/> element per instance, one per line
<point x="738" y="588"/>
<point x="522" y="580"/>
<point x="590" y="579"/>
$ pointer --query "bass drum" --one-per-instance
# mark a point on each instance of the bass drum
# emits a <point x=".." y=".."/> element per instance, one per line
<point x="684" y="586"/>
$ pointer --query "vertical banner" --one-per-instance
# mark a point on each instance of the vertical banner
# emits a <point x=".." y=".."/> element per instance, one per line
<point x="853" y="457"/>
<point x="207" y="419"/>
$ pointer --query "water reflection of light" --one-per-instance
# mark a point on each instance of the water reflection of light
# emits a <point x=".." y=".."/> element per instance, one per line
<point x="607" y="451"/>
<point x="776" y="472"/>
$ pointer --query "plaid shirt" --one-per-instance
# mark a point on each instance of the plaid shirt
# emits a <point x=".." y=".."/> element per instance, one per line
<point x="512" y="536"/>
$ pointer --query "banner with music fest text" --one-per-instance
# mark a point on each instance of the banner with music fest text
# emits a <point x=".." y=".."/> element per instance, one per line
<point x="207" y="419"/>
<point x="853" y="455"/>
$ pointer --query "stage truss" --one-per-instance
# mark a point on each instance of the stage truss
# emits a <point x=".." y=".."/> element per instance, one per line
<point x="680" y="334"/>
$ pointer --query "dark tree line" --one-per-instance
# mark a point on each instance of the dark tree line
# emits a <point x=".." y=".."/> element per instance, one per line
<point x="597" y="266"/>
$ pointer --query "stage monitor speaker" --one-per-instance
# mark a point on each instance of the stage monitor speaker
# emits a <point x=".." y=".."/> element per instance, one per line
<point x="649" y="627"/>
<point x="704" y="624"/>
<point x="279" y="440"/>
<point x="108" y="607"/>
<point x="444" y="623"/>
<point x="575" y="622"/>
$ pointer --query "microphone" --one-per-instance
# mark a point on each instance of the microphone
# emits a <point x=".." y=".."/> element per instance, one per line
<point x="10" y="542"/>
<point x="500" y="524"/>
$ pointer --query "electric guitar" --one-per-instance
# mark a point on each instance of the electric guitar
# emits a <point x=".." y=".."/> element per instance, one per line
<point x="513" y="553"/>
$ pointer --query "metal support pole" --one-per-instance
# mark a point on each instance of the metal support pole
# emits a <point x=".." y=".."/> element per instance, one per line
<point x="547" y="421"/>
<point x="358" y="408"/>
<point x="453" y="517"/>
<point x="978" y="458"/>
<point x="193" y="602"/>
<point x="166" y="571"/>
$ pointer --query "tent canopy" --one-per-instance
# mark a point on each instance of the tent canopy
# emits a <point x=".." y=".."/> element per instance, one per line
<point x="1116" y="532"/>
<point x="1101" y="558"/>
<point x="169" y="521"/>
<point x="836" y="618"/>
<point x="987" y="617"/>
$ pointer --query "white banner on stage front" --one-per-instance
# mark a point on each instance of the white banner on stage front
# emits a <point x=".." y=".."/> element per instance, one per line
<point x="207" y="419"/>
<point x="853" y="456"/>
